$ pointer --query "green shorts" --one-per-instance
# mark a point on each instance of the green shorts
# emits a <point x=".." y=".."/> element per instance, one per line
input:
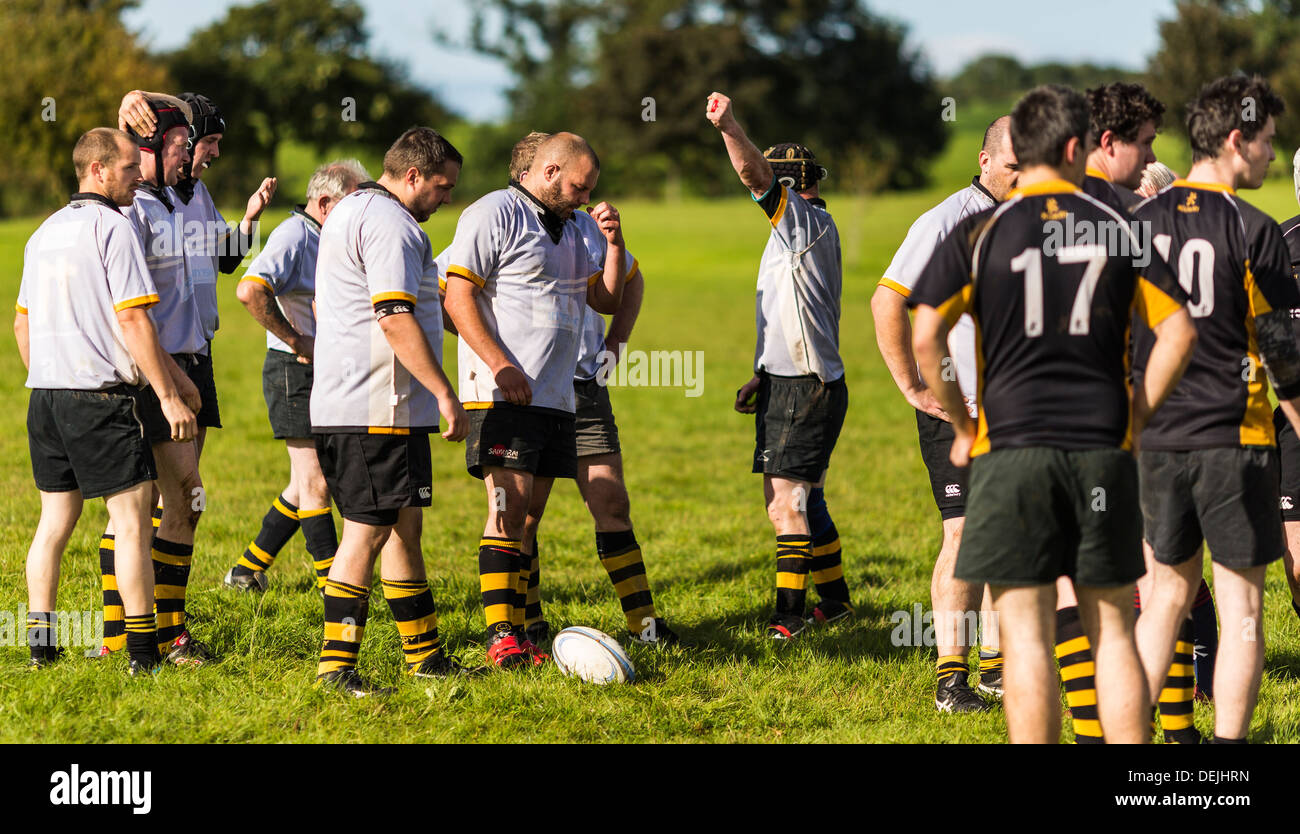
<point x="1036" y="514"/>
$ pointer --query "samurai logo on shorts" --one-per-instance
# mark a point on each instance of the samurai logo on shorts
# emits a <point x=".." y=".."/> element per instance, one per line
<point x="499" y="451"/>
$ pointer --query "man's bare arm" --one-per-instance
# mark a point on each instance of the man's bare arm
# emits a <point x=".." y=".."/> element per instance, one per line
<point x="141" y="340"/>
<point x="606" y="295"/>
<point x="24" y="341"/>
<point x="259" y="301"/>
<point x="463" y="309"/>
<point x="754" y="171"/>
<point x="894" y="339"/>
<point x="620" y="327"/>
<point x="411" y="347"/>
<point x="930" y="345"/>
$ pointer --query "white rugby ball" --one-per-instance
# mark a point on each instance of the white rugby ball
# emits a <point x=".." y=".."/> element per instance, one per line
<point x="591" y="655"/>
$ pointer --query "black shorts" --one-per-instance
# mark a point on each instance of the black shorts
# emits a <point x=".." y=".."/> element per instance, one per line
<point x="87" y="440"/>
<point x="1288" y="447"/>
<point x="286" y="387"/>
<point x="1223" y="497"/>
<point x="798" y="421"/>
<point x="1036" y="514"/>
<point x="594" y="421"/>
<point x="199" y="369"/>
<point x="947" y="482"/>
<point x="534" y="440"/>
<point x="372" y="476"/>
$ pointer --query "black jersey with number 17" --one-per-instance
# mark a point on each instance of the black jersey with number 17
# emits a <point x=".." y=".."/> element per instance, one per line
<point x="1232" y="262"/>
<point x="1052" y="278"/>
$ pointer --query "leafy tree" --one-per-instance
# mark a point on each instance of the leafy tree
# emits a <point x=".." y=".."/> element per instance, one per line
<point x="296" y="69"/>
<point x="67" y="64"/>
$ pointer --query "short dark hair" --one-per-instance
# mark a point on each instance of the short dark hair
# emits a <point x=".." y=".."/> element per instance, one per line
<point x="1220" y="108"/>
<point x="1122" y="109"/>
<point x="423" y="149"/>
<point x="99" y="144"/>
<point x="1044" y="121"/>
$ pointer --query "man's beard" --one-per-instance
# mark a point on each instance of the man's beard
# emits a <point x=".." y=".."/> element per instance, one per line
<point x="552" y="198"/>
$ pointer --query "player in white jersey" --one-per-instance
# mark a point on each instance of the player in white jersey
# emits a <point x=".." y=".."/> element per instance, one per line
<point x="798" y="391"/>
<point x="600" y="458"/>
<point x="949" y="596"/>
<point x="176" y="317"/>
<point x="518" y="280"/>
<point x="211" y="245"/>
<point x="377" y="394"/>
<point x="277" y="290"/>
<point x="87" y="341"/>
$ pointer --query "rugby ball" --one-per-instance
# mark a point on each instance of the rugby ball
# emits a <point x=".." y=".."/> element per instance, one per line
<point x="591" y="655"/>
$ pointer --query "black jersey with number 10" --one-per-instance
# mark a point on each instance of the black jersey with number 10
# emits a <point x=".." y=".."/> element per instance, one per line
<point x="1231" y="260"/>
<point x="1052" y="278"/>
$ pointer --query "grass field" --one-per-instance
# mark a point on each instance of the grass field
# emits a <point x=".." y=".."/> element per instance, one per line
<point x="698" y="514"/>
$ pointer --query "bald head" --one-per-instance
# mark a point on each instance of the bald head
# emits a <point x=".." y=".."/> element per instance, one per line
<point x="563" y="173"/>
<point x="997" y="159"/>
<point x="997" y="133"/>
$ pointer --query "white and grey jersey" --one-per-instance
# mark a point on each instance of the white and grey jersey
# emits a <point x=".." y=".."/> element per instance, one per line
<point x="176" y="315"/>
<point x="286" y="266"/>
<point x="80" y="268"/>
<point x="910" y="260"/>
<point x="593" y="323"/>
<point x="206" y="234"/>
<point x="371" y="251"/>
<point x="533" y="271"/>
<point x="799" y="284"/>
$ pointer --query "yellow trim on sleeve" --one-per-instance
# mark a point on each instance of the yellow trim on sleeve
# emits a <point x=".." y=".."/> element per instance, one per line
<point x="895" y="286"/>
<point x="1153" y="305"/>
<point x="442" y="283"/>
<point x="957" y="303"/>
<point x="594" y="277"/>
<point x="635" y="268"/>
<point x="466" y="273"/>
<point x="18" y="308"/>
<point x="1258" y="303"/>
<point x="780" y="207"/>
<point x="140" y="301"/>
<point x="387" y="430"/>
<point x="257" y="279"/>
<point x="392" y="296"/>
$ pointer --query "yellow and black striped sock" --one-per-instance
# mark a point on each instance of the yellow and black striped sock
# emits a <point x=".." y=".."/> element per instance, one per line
<point x="826" y="567"/>
<point x="949" y="665"/>
<point x="411" y="602"/>
<point x="793" y="553"/>
<point x="498" y="578"/>
<point x="990" y="661"/>
<point x="278" y="526"/>
<point x="41" y="639"/>
<point x="533" y="599"/>
<point x="114" y="627"/>
<point x="142" y="638"/>
<point x="322" y="540"/>
<point x="171" y="575"/>
<point x="620" y="556"/>
<point x="1074" y="654"/>
<point x="157" y="513"/>
<point x="346" y="609"/>
<point x="1179" y="689"/>
<point x="518" y="612"/>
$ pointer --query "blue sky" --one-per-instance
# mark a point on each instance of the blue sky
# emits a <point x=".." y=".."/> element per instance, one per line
<point x="947" y="32"/>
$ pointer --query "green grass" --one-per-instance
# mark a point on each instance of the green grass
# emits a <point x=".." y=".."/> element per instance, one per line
<point x="698" y="514"/>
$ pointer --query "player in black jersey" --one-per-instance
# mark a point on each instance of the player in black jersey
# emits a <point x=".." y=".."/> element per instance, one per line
<point x="1123" y="123"/>
<point x="1288" y="443"/>
<point x="1209" y="461"/>
<point x="1053" y="487"/>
